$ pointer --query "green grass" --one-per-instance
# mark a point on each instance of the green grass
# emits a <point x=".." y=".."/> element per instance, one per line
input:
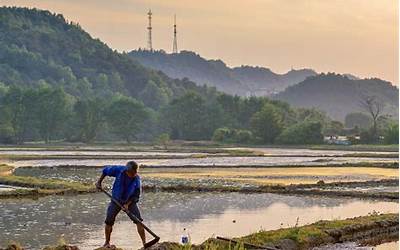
<point x="316" y="231"/>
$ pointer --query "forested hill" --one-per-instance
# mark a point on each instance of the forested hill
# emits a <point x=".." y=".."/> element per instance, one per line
<point x="338" y="95"/>
<point x="39" y="48"/>
<point x="242" y="80"/>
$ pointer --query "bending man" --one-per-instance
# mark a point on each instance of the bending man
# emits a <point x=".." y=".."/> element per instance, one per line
<point x="126" y="190"/>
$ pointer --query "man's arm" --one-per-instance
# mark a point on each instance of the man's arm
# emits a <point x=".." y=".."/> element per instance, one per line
<point x="99" y="181"/>
<point x="134" y="195"/>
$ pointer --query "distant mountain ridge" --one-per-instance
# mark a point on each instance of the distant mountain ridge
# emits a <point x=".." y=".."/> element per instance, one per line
<point x="244" y="80"/>
<point x="339" y="95"/>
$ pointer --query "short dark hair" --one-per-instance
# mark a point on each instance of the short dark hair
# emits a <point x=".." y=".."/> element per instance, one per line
<point x="132" y="165"/>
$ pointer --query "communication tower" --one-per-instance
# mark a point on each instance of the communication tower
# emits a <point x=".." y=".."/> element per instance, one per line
<point x="175" y="46"/>
<point x="149" y="28"/>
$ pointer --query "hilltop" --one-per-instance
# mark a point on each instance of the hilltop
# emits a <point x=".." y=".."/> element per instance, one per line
<point x="38" y="47"/>
<point x="339" y="95"/>
<point x="243" y="80"/>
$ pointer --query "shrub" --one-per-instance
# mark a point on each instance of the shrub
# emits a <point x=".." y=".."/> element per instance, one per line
<point x="243" y="136"/>
<point x="232" y="135"/>
<point x="163" y="139"/>
<point x="353" y="140"/>
<point x="221" y="134"/>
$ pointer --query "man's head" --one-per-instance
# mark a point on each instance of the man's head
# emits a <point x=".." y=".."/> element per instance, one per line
<point x="132" y="167"/>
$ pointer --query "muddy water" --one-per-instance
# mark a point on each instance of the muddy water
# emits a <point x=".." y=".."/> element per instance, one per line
<point x="116" y="151"/>
<point x="94" y="153"/>
<point x="209" y="161"/>
<point x="354" y="246"/>
<point x="309" y="152"/>
<point x="80" y="218"/>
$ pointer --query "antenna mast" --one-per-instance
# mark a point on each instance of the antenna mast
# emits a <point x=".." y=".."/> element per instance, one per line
<point x="175" y="46"/>
<point x="149" y="28"/>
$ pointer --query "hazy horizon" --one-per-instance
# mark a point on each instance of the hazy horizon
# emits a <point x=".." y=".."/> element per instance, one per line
<point x="354" y="36"/>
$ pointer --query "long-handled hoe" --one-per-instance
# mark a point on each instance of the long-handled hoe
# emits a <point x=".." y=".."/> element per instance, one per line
<point x="136" y="220"/>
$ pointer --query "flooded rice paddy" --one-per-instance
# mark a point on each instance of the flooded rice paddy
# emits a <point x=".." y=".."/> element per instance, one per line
<point x="224" y="176"/>
<point x="310" y="152"/>
<point x="176" y="158"/>
<point x="90" y="153"/>
<point x="209" y="161"/>
<point x="79" y="219"/>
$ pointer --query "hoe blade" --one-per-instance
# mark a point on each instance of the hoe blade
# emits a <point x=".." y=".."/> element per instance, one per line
<point x="151" y="243"/>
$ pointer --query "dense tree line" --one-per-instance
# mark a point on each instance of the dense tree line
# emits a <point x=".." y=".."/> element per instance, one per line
<point x="48" y="113"/>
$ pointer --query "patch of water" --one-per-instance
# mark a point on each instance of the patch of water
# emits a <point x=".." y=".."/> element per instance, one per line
<point x="35" y="223"/>
<point x="309" y="152"/>
<point x="94" y="153"/>
<point x="354" y="246"/>
<point x="208" y="161"/>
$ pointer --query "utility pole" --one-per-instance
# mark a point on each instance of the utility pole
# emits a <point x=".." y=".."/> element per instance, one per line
<point x="175" y="46"/>
<point x="149" y="28"/>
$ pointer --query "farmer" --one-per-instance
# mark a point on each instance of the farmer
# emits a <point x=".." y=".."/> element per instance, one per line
<point x="126" y="190"/>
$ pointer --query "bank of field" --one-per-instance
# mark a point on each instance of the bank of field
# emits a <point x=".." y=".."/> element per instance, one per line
<point x="278" y="175"/>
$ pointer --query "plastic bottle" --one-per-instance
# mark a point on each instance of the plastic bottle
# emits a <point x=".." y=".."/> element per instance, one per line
<point x="185" y="237"/>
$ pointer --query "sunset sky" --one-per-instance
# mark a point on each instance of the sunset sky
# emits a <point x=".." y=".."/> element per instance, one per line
<point x="345" y="36"/>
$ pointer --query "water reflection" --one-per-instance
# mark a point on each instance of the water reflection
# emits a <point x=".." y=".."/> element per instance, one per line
<point x="80" y="218"/>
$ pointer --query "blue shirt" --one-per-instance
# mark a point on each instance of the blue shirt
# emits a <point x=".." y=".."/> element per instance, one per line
<point x="124" y="188"/>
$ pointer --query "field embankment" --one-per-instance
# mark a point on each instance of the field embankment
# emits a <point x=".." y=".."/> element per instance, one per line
<point x="18" y="186"/>
<point x="364" y="230"/>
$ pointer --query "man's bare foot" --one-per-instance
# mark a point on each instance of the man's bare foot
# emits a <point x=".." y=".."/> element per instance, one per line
<point x="106" y="245"/>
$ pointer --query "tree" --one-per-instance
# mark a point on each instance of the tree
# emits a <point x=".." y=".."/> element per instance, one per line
<point x="361" y="120"/>
<point x="391" y="135"/>
<point x="187" y="117"/>
<point x="248" y="107"/>
<point x="374" y="108"/>
<point x="153" y="96"/>
<point x="302" y="133"/>
<point x="230" y="106"/>
<point x="51" y="111"/>
<point x="267" y="124"/>
<point x="88" y="118"/>
<point x="333" y="128"/>
<point x="384" y="122"/>
<point x="17" y="112"/>
<point x="126" y="116"/>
